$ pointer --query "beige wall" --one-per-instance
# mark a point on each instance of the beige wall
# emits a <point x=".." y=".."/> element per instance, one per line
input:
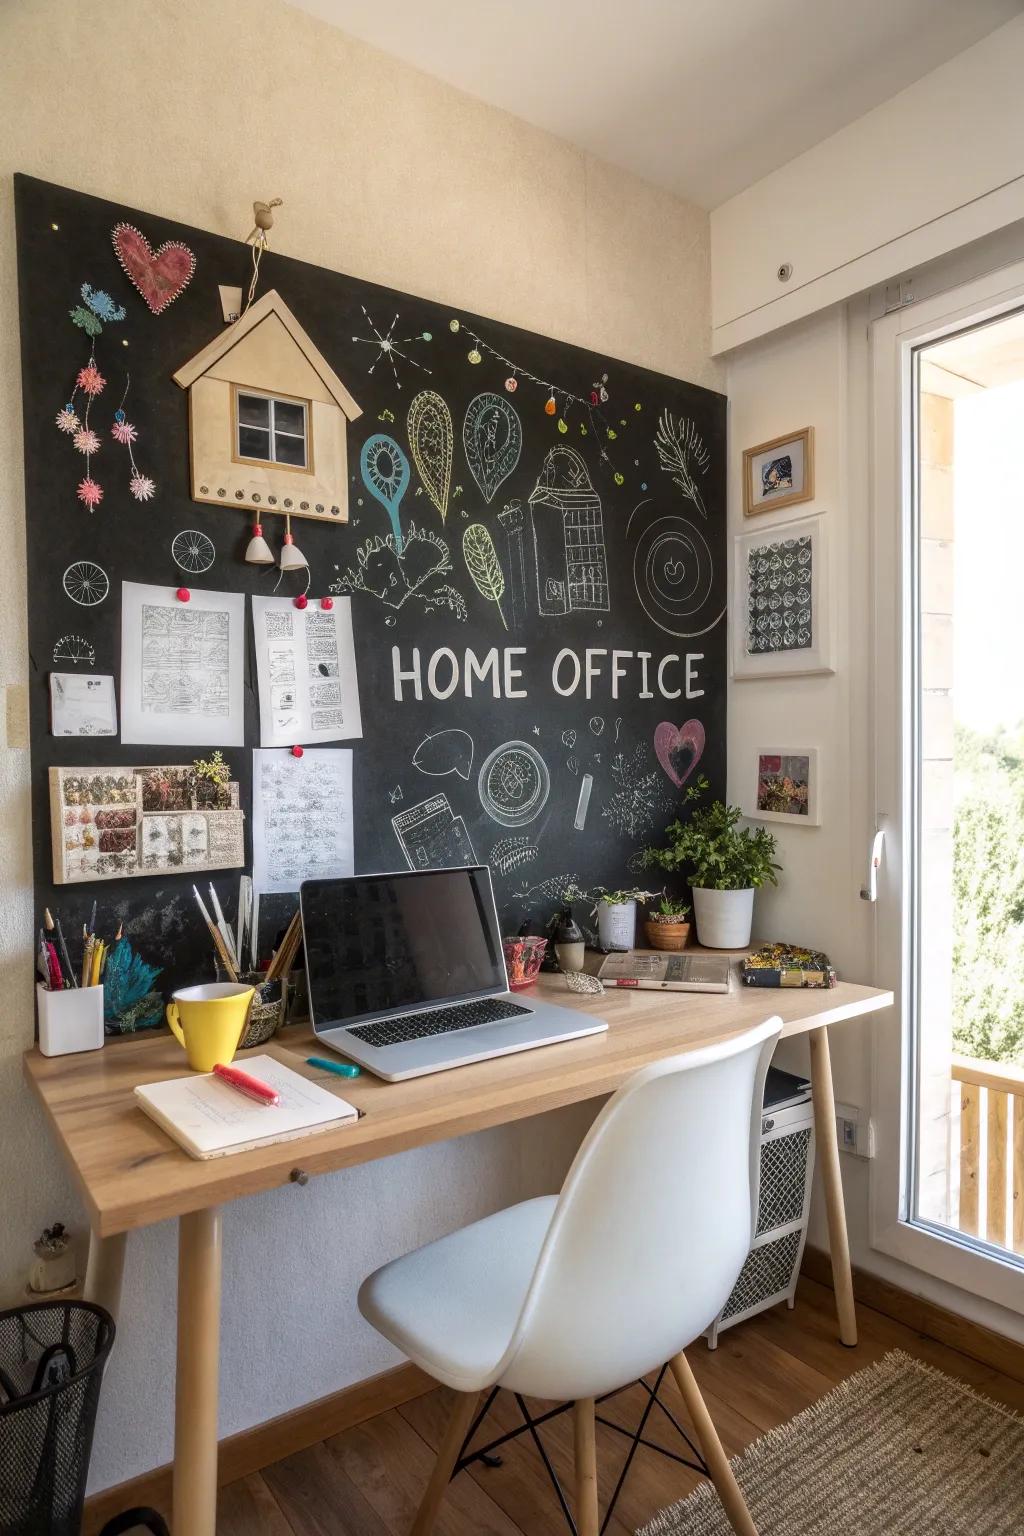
<point x="190" y="109"/>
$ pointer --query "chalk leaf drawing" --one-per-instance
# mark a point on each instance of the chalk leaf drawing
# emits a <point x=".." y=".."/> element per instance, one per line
<point x="568" y="537"/>
<point x="492" y="436"/>
<point x="638" y="795"/>
<point x="679" y="748"/>
<point x="674" y="573"/>
<point x="431" y="836"/>
<point x="511" y="853"/>
<point x="394" y="576"/>
<point x="385" y="471"/>
<point x="386" y="346"/>
<point x="449" y="751"/>
<point x="514" y="784"/>
<point x="483" y="565"/>
<point x="683" y="455"/>
<point x="431" y="438"/>
<point x="554" y="888"/>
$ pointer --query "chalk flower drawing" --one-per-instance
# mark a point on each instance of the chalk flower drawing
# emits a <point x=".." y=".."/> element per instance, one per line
<point x="388" y="347"/>
<point x="682" y="454"/>
<point x="638" y="794"/>
<point x="431" y="438"/>
<point x="394" y="575"/>
<point x="483" y="565"/>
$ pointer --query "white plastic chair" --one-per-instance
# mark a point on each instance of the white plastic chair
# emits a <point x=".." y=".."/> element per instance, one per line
<point x="574" y="1295"/>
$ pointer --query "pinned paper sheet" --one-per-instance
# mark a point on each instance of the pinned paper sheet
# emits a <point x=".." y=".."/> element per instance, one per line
<point x="82" y="704"/>
<point x="182" y="666"/>
<point x="301" y="818"/>
<point x="306" y="668"/>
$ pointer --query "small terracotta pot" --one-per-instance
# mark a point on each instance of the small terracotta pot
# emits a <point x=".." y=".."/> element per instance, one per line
<point x="673" y="936"/>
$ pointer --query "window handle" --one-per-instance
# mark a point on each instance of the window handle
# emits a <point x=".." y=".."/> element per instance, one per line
<point x="869" y="892"/>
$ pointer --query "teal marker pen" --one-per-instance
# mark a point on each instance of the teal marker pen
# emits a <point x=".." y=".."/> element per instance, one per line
<point x="340" y="1068"/>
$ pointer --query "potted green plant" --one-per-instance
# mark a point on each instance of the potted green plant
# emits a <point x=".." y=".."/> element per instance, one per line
<point x="666" y="926"/>
<point x="616" y="916"/>
<point x="724" y="863"/>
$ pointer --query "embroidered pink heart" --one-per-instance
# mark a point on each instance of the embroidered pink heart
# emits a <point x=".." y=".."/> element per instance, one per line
<point x="160" y="275"/>
<point x="679" y="749"/>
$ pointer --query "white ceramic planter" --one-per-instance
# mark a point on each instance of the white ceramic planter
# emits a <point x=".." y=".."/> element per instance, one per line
<point x="723" y="917"/>
<point x="616" y="924"/>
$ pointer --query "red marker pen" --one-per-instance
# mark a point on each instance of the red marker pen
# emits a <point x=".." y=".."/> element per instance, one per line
<point x="245" y="1083"/>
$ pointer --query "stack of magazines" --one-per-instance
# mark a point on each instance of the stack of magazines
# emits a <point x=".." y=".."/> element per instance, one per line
<point x="788" y="965"/>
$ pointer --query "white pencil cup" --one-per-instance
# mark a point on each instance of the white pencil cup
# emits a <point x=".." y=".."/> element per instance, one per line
<point x="70" y="1020"/>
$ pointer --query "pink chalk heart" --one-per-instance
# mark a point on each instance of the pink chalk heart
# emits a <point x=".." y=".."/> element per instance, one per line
<point x="160" y="275"/>
<point x="679" y="749"/>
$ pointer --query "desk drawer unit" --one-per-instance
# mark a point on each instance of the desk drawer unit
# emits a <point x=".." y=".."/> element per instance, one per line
<point x="770" y="1272"/>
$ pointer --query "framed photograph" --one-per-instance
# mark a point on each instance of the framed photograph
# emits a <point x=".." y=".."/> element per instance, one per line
<point x="779" y="473"/>
<point x="786" y="786"/>
<point x="781" y="615"/>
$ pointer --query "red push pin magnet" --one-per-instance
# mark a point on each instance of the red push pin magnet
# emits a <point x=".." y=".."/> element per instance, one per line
<point x="296" y="751"/>
<point x="301" y="600"/>
<point x="183" y="594"/>
<point x="327" y="603"/>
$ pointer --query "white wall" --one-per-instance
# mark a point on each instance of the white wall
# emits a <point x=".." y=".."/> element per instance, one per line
<point x="191" y="110"/>
<point x="938" y="165"/>
<point x="816" y="373"/>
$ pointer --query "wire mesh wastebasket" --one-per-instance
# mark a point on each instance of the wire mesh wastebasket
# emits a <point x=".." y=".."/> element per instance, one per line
<point x="52" y="1356"/>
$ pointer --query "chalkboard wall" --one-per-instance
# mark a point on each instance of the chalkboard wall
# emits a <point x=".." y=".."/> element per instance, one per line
<point x="606" y="541"/>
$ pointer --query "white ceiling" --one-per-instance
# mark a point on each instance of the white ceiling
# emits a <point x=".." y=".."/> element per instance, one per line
<point x="701" y="96"/>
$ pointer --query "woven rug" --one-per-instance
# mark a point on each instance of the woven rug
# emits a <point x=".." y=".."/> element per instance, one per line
<point x="898" y="1449"/>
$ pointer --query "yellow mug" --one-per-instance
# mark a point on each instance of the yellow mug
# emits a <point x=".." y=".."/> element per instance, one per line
<point x="208" y="1021"/>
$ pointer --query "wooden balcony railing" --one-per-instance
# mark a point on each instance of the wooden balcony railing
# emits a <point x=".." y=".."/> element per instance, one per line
<point x="991" y="1150"/>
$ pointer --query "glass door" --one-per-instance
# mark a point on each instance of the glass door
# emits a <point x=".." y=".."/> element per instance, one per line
<point x="948" y="524"/>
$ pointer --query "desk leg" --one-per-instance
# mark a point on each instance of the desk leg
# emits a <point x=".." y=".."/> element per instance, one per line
<point x="105" y="1271"/>
<point x="828" y="1155"/>
<point x="194" y="1496"/>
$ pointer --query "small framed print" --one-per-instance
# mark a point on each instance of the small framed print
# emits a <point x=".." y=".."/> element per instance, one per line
<point x="779" y="473"/>
<point x="781" y="618"/>
<point x="786" y="786"/>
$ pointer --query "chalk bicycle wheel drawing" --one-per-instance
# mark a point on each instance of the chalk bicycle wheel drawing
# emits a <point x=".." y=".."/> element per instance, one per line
<point x="86" y="583"/>
<point x="514" y="784"/>
<point x="193" y="551"/>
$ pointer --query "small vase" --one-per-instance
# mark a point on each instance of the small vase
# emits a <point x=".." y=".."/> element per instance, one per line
<point x="723" y="918"/>
<point x="616" y="924"/>
<point x="570" y="946"/>
<point x="668" y="936"/>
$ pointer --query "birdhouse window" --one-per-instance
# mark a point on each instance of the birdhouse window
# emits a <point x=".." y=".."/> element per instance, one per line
<point x="272" y="430"/>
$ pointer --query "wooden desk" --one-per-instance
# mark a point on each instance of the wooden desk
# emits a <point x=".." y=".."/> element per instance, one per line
<point x="132" y="1175"/>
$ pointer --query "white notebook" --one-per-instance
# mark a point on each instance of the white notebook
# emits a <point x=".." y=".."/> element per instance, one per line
<point x="211" y="1119"/>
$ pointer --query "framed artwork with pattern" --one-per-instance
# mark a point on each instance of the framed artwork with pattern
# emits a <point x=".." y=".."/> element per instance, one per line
<point x="781" y="614"/>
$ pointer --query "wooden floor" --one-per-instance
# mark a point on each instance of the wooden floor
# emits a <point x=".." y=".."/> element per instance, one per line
<point x="367" y="1481"/>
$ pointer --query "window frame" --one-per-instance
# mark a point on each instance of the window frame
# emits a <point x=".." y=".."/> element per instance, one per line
<point x="237" y="457"/>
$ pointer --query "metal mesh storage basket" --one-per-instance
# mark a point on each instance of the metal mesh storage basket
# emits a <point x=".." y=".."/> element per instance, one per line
<point x="783" y="1175"/>
<point x="52" y="1356"/>
<point x="767" y="1273"/>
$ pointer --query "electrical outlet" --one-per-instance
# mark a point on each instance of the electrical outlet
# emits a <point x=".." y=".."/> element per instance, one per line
<point x="854" y="1130"/>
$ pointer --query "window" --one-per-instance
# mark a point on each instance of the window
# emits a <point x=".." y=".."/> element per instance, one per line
<point x="272" y="431"/>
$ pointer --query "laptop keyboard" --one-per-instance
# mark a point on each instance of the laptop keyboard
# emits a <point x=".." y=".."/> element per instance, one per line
<point x="437" y="1021"/>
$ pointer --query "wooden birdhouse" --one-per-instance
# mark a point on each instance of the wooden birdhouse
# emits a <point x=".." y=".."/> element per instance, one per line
<point x="268" y="418"/>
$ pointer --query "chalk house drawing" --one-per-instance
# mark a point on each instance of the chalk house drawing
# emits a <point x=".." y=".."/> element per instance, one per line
<point x="638" y="794"/>
<point x="431" y="836"/>
<point x="385" y="471"/>
<point x="683" y="455"/>
<point x="444" y="752"/>
<point x="514" y="784"/>
<point x="512" y="853"/>
<point x="568" y="537"/>
<point x="394" y="576"/>
<point x="673" y="572"/>
<point x="492" y="436"/>
<point x="431" y="438"/>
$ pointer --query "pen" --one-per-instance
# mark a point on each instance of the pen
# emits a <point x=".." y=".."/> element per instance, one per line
<point x="340" y="1068"/>
<point x="244" y="1082"/>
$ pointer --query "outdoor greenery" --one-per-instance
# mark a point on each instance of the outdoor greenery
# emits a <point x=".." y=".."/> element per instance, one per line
<point x="988" y="895"/>
<point x="713" y="851"/>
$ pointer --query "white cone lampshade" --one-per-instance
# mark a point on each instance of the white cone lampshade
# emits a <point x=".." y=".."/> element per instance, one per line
<point x="292" y="558"/>
<point x="258" y="551"/>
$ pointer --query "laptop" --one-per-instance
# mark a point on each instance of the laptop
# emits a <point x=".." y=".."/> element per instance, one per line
<point x="662" y="971"/>
<point x="406" y="974"/>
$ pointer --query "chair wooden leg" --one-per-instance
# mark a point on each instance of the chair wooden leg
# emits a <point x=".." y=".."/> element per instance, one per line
<point x="586" y="1467"/>
<point x="718" y="1463"/>
<point x="451" y="1445"/>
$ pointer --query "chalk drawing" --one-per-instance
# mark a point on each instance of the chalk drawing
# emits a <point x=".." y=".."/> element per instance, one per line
<point x="683" y="455"/>
<point x="568" y="537"/>
<point x="394" y="576"/>
<point x="395" y="796"/>
<point x="514" y="784"/>
<point x="385" y="471"/>
<point x="192" y="551"/>
<point x="512" y="519"/>
<point x="596" y="724"/>
<point x="386" y="346"/>
<point x="572" y="763"/>
<point x="86" y="583"/>
<point x="492" y="436"/>
<point x="673" y="571"/>
<point x="431" y="836"/>
<point x="583" y="803"/>
<point x="431" y="438"/>
<point x="569" y="739"/>
<point x="484" y="566"/>
<point x="679" y="749"/>
<point x="511" y="853"/>
<point x="554" y="888"/>
<point x="637" y="796"/>
<point x="74" y="651"/>
<point x="444" y="752"/>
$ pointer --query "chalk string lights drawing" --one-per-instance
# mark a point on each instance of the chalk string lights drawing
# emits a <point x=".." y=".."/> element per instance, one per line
<point x="387" y="347"/>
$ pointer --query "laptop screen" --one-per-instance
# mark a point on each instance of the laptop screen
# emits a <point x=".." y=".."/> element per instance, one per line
<point x="383" y="944"/>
